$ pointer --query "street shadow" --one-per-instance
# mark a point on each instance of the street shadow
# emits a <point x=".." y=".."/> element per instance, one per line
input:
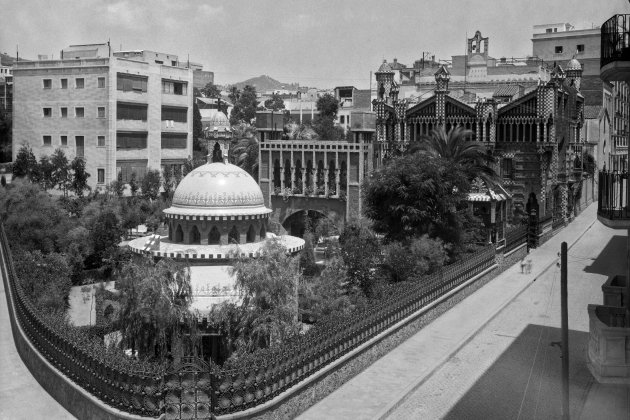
<point x="525" y="382"/>
<point x="611" y="260"/>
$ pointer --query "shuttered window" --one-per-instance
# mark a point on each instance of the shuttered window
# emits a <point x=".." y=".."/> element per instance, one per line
<point x="131" y="140"/>
<point x="174" y="140"/>
<point x="130" y="83"/>
<point x="174" y="114"/>
<point x="131" y="111"/>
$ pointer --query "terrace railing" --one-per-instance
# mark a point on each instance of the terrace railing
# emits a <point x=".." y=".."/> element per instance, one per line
<point x="613" y="201"/>
<point x="615" y="40"/>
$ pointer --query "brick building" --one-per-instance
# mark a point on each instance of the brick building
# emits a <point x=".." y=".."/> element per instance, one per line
<point x="125" y="111"/>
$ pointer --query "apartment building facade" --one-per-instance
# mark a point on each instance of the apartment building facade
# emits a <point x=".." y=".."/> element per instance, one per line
<point x="121" y="114"/>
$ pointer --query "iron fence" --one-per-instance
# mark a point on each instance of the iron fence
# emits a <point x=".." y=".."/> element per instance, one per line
<point x="615" y="40"/>
<point x="196" y="390"/>
<point x="613" y="201"/>
<point x="515" y="237"/>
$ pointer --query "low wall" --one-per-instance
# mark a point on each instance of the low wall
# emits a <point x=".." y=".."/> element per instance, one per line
<point x="73" y="398"/>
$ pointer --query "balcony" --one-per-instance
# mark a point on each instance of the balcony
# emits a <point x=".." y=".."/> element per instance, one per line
<point x="613" y="208"/>
<point x="609" y="337"/>
<point x="615" y="49"/>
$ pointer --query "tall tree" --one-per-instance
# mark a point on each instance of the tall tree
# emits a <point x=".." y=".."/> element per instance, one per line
<point x="151" y="184"/>
<point x="79" y="176"/>
<point x="327" y="105"/>
<point x="275" y="103"/>
<point x="198" y="138"/>
<point x="6" y="136"/>
<point x="24" y="163"/>
<point x="245" y="105"/>
<point x="210" y="90"/>
<point x="413" y="195"/>
<point x="61" y="170"/>
<point x="245" y="155"/>
<point x="361" y="253"/>
<point x="167" y="179"/>
<point x="44" y="175"/>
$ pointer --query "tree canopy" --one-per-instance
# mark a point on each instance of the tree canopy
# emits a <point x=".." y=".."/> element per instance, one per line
<point x="327" y="105"/>
<point x="412" y="195"/>
<point x="210" y="90"/>
<point x="275" y="103"/>
<point x="245" y="105"/>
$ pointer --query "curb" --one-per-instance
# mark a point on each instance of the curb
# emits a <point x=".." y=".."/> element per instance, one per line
<point x="402" y="397"/>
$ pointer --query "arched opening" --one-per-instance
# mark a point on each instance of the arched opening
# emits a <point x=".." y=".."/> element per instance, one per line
<point x="343" y="177"/>
<point x="214" y="237"/>
<point x="233" y="236"/>
<point x="297" y="223"/>
<point x="298" y="177"/>
<point x="216" y="153"/>
<point x="320" y="178"/>
<point x="277" y="183"/>
<point x="287" y="173"/>
<point x="251" y="234"/>
<point x="332" y="178"/>
<point x="195" y="236"/>
<point x="179" y="234"/>
<point x="263" y="232"/>
<point x="309" y="176"/>
<point x="170" y="230"/>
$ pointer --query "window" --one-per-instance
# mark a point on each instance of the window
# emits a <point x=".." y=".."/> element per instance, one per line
<point x="128" y="168"/>
<point x="580" y="48"/>
<point x="174" y="114"/>
<point x="64" y="140"/>
<point x="47" y="112"/>
<point x="101" y="82"/>
<point x="342" y="119"/>
<point x="507" y="169"/>
<point x="559" y="49"/>
<point x="64" y="112"/>
<point x="64" y="83"/>
<point x="100" y="176"/>
<point x="136" y="112"/>
<point x="131" y="83"/>
<point x="131" y="140"/>
<point x="174" y="88"/>
<point x="100" y="141"/>
<point x="79" y="140"/>
<point x="79" y="112"/>
<point x="47" y="140"/>
<point x="101" y="112"/>
<point x="80" y="82"/>
<point x="47" y="84"/>
<point x="549" y="30"/>
<point x="174" y="140"/>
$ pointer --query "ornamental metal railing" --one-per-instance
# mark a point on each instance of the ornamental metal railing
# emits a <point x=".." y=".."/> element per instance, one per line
<point x="615" y="40"/>
<point x="193" y="389"/>
<point x="515" y="237"/>
<point x="613" y="196"/>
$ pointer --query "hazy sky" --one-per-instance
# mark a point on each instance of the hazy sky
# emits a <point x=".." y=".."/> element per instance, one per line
<point x="320" y="43"/>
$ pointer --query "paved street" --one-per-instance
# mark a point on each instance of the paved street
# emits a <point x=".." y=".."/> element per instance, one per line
<point x="463" y="367"/>
<point x="21" y="396"/>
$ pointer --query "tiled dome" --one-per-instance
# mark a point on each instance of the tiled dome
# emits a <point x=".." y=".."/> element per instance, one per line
<point x="574" y="64"/>
<point x="218" y="189"/>
<point x="385" y="68"/>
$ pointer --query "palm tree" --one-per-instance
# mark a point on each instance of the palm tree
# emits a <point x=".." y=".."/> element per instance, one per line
<point x="455" y="148"/>
<point x="295" y="131"/>
<point x="244" y="148"/>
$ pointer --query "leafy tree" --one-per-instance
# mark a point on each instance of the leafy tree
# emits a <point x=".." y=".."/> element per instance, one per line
<point x="6" y="137"/>
<point x="454" y="147"/>
<point x="24" y="163"/>
<point x="245" y="105"/>
<point x="3" y="181"/>
<point x="192" y="163"/>
<point x="361" y="253"/>
<point x="199" y="142"/>
<point x="275" y="103"/>
<point x="61" y="170"/>
<point x="105" y="234"/>
<point x="412" y="195"/>
<point x="77" y="245"/>
<point x="307" y="256"/>
<point x="325" y="128"/>
<point x="327" y="105"/>
<point x="210" y="90"/>
<point x="155" y="307"/>
<point x="133" y="184"/>
<point x="325" y="295"/>
<point x="244" y="153"/>
<point x="294" y="131"/>
<point x="268" y="286"/>
<point x="44" y="174"/>
<point x="167" y="180"/>
<point x="151" y="184"/>
<point x="45" y="278"/>
<point x="79" y="176"/>
<point x="32" y="218"/>
<point x="420" y="257"/>
<point x="117" y="187"/>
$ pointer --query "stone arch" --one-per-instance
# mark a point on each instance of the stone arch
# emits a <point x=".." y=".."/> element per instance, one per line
<point x="217" y="156"/>
<point x="295" y="223"/>
<point x="233" y="236"/>
<point x="179" y="234"/>
<point x="263" y="232"/>
<point x="287" y="174"/>
<point x="277" y="181"/>
<point x="251" y="234"/>
<point x="195" y="236"/>
<point x="214" y="237"/>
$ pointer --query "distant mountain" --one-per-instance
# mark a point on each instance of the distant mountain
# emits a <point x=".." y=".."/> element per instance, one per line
<point x="7" y="60"/>
<point x="265" y="83"/>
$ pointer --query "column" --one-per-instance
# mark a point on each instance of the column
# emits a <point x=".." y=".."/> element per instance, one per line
<point x="292" y="177"/>
<point x="326" y="178"/>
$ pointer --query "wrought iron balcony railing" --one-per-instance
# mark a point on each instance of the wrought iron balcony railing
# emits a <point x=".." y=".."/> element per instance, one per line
<point x="615" y="40"/>
<point x="614" y="190"/>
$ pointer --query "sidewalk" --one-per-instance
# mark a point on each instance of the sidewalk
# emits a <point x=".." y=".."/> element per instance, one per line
<point x="21" y="396"/>
<point x="378" y="390"/>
